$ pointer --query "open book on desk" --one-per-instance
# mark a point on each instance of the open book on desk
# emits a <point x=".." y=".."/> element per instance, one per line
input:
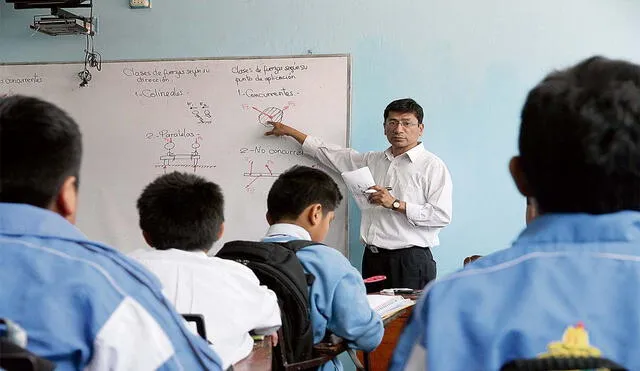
<point x="388" y="305"/>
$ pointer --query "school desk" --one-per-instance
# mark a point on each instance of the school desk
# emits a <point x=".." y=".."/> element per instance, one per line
<point x="379" y="359"/>
<point x="259" y="359"/>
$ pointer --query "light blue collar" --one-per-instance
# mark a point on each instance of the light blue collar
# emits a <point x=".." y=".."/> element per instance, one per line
<point x="583" y="228"/>
<point x="23" y="219"/>
<point x="286" y="229"/>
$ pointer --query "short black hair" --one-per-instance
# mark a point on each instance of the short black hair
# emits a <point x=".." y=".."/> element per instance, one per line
<point x="580" y="138"/>
<point x="40" y="147"/>
<point x="406" y="105"/>
<point x="299" y="187"/>
<point x="181" y="211"/>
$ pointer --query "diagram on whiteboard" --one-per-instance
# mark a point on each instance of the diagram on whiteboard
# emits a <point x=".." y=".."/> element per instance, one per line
<point x="182" y="157"/>
<point x="201" y="111"/>
<point x="259" y="170"/>
<point x="208" y="119"/>
<point x="267" y="114"/>
<point x="264" y="170"/>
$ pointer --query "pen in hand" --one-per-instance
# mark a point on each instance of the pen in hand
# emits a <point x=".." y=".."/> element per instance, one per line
<point x="372" y="191"/>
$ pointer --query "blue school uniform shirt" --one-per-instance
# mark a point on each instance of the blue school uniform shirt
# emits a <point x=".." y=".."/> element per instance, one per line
<point x="338" y="298"/>
<point x="85" y="306"/>
<point x="569" y="283"/>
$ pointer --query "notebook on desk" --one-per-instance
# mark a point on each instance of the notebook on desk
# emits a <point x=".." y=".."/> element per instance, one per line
<point x="388" y="305"/>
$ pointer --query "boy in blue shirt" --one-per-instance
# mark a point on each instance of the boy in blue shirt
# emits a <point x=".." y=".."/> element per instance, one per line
<point x="569" y="284"/>
<point x="84" y="305"/>
<point x="301" y="206"/>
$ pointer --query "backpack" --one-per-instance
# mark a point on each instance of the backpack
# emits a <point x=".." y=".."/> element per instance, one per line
<point x="277" y="267"/>
<point x="562" y="363"/>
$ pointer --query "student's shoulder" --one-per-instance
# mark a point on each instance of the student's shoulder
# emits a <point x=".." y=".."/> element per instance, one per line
<point x="326" y="258"/>
<point x="325" y="251"/>
<point x="62" y="267"/>
<point x="492" y="273"/>
<point x="232" y="267"/>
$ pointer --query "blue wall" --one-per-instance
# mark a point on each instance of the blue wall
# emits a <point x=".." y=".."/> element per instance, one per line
<point x="469" y="63"/>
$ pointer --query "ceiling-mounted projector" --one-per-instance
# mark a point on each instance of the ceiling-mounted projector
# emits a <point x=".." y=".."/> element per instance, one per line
<point x="58" y="26"/>
<point x="59" y="22"/>
<point x="43" y="4"/>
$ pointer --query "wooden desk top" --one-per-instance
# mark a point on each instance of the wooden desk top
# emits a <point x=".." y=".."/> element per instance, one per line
<point x="259" y="359"/>
<point x="261" y="355"/>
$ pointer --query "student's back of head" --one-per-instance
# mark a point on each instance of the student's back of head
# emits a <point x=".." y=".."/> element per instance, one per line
<point x="181" y="211"/>
<point x="48" y="263"/>
<point x="580" y="139"/>
<point x="579" y="167"/>
<point x="40" y="155"/>
<point x="305" y="196"/>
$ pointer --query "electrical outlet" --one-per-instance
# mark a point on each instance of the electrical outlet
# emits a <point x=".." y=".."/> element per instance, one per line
<point x="137" y="4"/>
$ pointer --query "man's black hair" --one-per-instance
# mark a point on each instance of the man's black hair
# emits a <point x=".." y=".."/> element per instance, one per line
<point x="406" y="105"/>
<point x="580" y="138"/>
<point x="181" y="211"/>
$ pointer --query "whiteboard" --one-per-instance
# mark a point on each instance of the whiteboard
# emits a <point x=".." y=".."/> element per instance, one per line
<point x="140" y="119"/>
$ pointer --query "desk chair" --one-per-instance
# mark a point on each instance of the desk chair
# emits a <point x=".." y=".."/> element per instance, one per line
<point x="198" y="319"/>
<point x="15" y="358"/>
<point x="323" y="352"/>
<point x="561" y="363"/>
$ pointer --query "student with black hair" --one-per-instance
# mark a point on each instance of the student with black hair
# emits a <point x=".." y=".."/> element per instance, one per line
<point x="300" y="206"/>
<point x="400" y="232"/>
<point x="84" y="305"/>
<point x="568" y="286"/>
<point x="181" y="217"/>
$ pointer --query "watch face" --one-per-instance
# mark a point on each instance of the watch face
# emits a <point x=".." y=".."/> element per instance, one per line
<point x="396" y="204"/>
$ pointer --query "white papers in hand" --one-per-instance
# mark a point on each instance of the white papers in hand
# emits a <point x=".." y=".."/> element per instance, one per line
<point x="357" y="182"/>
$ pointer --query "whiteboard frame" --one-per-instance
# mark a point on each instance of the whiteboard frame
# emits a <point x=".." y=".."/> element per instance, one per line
<point x="346" y="199"/>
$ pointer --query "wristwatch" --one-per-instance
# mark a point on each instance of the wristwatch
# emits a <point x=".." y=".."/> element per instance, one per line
<point x="395" y="205"/>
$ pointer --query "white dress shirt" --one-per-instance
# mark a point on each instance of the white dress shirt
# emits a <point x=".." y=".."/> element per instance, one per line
<point x="226" y="293"/>
<point x="417" y="177"/>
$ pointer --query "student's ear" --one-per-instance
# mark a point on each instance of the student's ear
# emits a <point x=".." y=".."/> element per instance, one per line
<point x="270" y="219"/>
<point x="314" y="214"/>
<point x="147" y="238"/>
<point x="515" y="167"/>
<point x="220" y="232"/>
<point x="67" y="200"/>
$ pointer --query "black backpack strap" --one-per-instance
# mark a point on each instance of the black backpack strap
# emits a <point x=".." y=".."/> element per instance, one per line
<point x="297" y="245"/>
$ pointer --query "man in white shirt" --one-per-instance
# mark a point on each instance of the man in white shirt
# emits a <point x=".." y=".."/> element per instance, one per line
<point x="399" y="234"/>
<point x="181" y="216"/>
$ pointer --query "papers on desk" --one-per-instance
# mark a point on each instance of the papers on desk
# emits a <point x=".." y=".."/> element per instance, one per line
<point x="357" y="182"/>
<point x="388" y="305"/>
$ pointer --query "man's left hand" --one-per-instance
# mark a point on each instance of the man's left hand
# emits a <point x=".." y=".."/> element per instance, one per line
<point x="382" y="197"/>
